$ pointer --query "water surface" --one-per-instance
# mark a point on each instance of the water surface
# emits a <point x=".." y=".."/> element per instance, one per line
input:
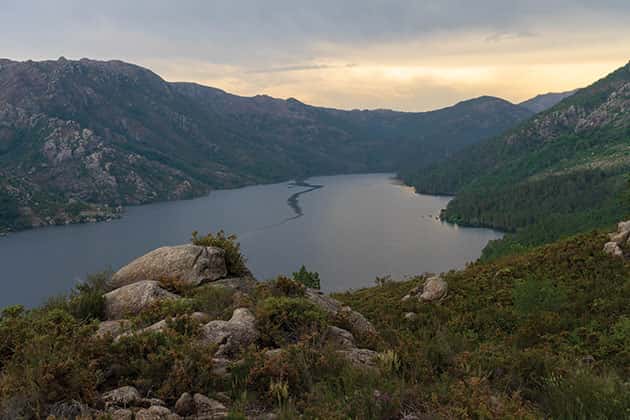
<point x="349" y="228"/>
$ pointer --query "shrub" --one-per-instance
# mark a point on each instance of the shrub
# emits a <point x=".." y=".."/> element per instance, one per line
<point x="216" y="301"/>
<point x="309" y="279"/>
<point x="532" y="296"/>
<point x="584" y="395"/>
<point x="284" y="320"/>
<point x="234" y="260"/>
<point x="284" y="286"/>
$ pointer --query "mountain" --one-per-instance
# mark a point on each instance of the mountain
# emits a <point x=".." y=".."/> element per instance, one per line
<point x="79" y="139"/>
<point x="563" y="171"/>
<point x="545" y="101"/>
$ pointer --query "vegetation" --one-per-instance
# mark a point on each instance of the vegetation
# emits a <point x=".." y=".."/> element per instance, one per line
<point x="555" y="175"/>
<point x="307" y="278"/>
<point x="545" y="333"/>
<point x="234" y="260"/>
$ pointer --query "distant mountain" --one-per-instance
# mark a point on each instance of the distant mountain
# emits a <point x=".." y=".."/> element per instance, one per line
<point x="80" y="138"/>
<point x="563" y="171"/>
<point x="545" y="101"/>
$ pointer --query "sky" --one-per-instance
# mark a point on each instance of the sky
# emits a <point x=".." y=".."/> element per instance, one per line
<point x="398" y="54"/>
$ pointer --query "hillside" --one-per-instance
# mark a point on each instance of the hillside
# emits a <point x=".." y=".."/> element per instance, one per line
<point x="185" y="332"/>
<point x="561" y="172"/>
<point x="543" y="102"/>
<point x="79" y="139"/>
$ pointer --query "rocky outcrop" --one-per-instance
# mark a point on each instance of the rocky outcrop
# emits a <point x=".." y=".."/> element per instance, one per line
<point x="618" y="240"/>
<point x="132" y="299"/>
<point x="125" y="396"/>
<point x="190" y="264"/>
<point x="231" y="336"/>
<point x="112" y="328"/>
<point x="208" y="408"/>
<point x="433" y="289"/>
<point x="339" y="338"/>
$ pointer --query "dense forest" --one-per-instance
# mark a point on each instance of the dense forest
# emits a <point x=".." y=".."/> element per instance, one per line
<point x="560" y="173"/>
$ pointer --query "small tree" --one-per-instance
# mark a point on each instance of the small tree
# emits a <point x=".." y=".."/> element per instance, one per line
<point x="309" y="279"/>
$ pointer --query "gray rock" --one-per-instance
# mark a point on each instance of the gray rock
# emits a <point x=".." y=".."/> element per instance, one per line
<point x="339" y="338"/>
<point x="112" y="328"/>
<point x="191" y="264"/>
<point x="356" y="322"/>
<point x="120" y="414"/>
<point x="133" y="298"/>
<point x="242" y="284"/>
<point x="411" y="316"/>
<point x="220" y="367"/>
<point x="623" y="226"/>
<point x="619" y="237"/>
<point x="328" y="304"/>
<point x="206" y="407"/>
<point x="185" y="405"/>
<point x="363" y="358"/>
<point x="434" y="288"/>
<point x="156" y="412"/>
<point x="121" y="397"/>
<point x="232" y="336"/>
<point x="612" y="248"/>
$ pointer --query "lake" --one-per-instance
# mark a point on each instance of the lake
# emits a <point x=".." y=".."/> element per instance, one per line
<point x="349" y="228"/>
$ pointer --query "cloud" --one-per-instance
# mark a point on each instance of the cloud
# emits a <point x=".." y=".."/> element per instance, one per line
<point x="403" y="51"/>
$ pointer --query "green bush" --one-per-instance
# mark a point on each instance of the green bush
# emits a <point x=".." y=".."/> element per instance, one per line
<point x="585" y="395"/>
<point x="284" y="286"/>
<point x="284" y="320"/>
<point x="532" y="296"/>
<point x="235" y="261"/>
<point x="309" y="279"/>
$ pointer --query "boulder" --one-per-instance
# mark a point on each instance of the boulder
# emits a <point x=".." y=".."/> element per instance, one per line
<point x="613" y="248"/>
<point x="434" y="288"/>
<point x="208" y="408"/>
<point x="623" y="226"/>
<point x="156" y="412"/>
<point x="339" y="338"/>
<point x="242" y="284"/>
<point x="125" y="396"/>
<point x="185" y="405"/>
<point x="190" y="264"/>
<point x="356" y="322"/>
<point x="411" y="316"/>
<point x="119" y="414"/>
<point x="360" y="357"/>
<point x="328" y="304"/>
<point x="112" y="328"/>
<point x="619" y="237"/>
<point x="232" y="336"/>
<point x="133" y="298"/>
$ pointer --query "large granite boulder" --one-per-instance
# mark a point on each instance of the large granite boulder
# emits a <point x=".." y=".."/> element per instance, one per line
<point x="232" y="336"/>
<point x="133" y="298"/>
<point x="190" y="264"/>
<point x="125" y="396"/>
<point x="434" y="288"/>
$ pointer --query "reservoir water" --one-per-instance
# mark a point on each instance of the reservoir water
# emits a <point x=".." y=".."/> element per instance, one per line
<point x="349" y="228"/>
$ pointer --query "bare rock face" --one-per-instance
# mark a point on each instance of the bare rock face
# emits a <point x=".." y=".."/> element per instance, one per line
<point x="208" y="408"/>
<point x="156" y="412"/>
<point x="132" y="299"/>
<point x="613" y="248"/>
<point x="185" y="405"/>
<point x="113" y="328"/>
<point x="340" y="338"/>
<point x="125" y="396"/>
<point x="328" y="304"/>
<point x="434" y="288"/>
<point x="190" y="264"/>
<point x="232" y="336"/>
<point x="363" y="358"/>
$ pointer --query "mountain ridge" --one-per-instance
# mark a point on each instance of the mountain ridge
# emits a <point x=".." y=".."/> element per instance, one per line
<point x="79" y="139"/>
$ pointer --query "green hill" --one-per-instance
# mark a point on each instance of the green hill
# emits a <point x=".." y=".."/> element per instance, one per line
<point x="540" y="335"/>
<point x="561" y="172"/>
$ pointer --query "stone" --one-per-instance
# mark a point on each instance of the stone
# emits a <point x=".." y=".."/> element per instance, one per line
<point x="156" y="412"/>
<point x="232" y="336"/>
<point x="405" y="298"/>
<point x="112" y="328"/>
<point x="190" y="264"/>
<point x="243" y="284"/>
<point x="623" y="226"/>
<point x="434" y="288"/>
<point x="68" y="410"/>
<point x="205" y="406"/>
<point x="220" y="367"/>
<point x="360" y="357"/>
<point x="619" y="238"/>
<point x="612" y="248"/>
<point x="328" y="304"/>
<point x="185" y="405"/>
<point x="133" y="298"/>
<point x="121" y="397"/>
<point x="411" y="316"/>
<point x="120" y="414"/>
<point x="356" y="322"/>
<point x="339" y="338"/>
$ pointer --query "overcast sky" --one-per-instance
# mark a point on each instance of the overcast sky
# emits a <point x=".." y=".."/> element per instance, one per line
<point x="400" y="54"/>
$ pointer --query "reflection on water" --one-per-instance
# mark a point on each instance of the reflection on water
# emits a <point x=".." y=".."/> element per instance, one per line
<point x="349" y="228"/>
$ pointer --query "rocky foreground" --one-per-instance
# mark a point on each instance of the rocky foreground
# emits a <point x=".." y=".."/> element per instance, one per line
<point x="187" y="332"/>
